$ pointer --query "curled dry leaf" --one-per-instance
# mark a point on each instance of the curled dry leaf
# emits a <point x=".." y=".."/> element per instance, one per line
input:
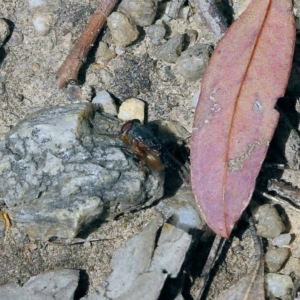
<point x="235" y="118"/>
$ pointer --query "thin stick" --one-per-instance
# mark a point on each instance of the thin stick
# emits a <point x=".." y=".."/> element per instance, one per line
<point x="211" y="16"/>
<point x="213" y="255"/>
<point x="68" y="72"/>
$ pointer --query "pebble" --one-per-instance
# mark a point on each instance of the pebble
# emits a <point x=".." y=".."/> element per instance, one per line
<point x="4" y="31"/>
<point x="2" y="88"/>
<point x="106" y="102"/>
<point x="184" y="13"/>
<point x="15" y="39"/>
<point x="195" y="98"/>
<point x="192" y="63"/>
<point x="291" y="266"/>
<point x="132" y="109"/>
<point x="278" y="285"/>
<point x="282" y="240"/>
<point x="142" y="12"/>
<point x="42" y="23"/>
<point x="170" y="51"/>
<point x="156" y="33"/>
<point x="275" y="258"/>
<point x="56" y="284"/>
<point x="123" y="29"/>
<point x="104" y="54"/>
<point x="269" y="223"/>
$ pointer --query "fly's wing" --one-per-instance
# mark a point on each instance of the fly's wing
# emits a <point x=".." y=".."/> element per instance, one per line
<point x="150" y="156"/>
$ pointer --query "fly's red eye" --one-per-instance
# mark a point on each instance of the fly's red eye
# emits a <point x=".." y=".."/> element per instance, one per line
<point x="126" y="126"/>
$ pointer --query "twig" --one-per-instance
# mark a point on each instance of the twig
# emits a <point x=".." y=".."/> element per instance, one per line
<point x="77" y="241"/>
<point x="211" y="16"/>
<point x="68" y="72"/>
<point x="213" y="255"/>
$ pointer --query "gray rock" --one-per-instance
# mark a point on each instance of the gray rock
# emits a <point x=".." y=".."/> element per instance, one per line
<point x="123" y="29"/>
<point x="170" y="51"/>
<point x="42" y="23"/>
<point x="292" y="266"/>
<point x="156" y="33"/>
<point x="64" y="167"/>
<point x="269" y="223"/>
<point x="275" y="258"/>
<point x="278" y="285"/>
<point x="181" y="210"/>
<point x="4" y="31"/>
<point x="169" y="255"/>
<point x="140" y="270"/>
<point x="105" y="101"/>
<point x="282" y="240"/>
<point x="57" y="284"/>
<point x="142" y="12"/>
<point x="131" y="260"/>
<point x="192" y="63"/>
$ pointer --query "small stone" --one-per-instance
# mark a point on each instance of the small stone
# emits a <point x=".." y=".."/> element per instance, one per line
<point x="2" y="88"/>
<point x="42" y="23"/>
<point x="278" y="285"/>
<point x="106" y="102"/>
<point x="156" y="33"/>
<point x="104" y="54"/>
<point x="184" y="13"/>
<point x="73" y="92"/>
<point x="122" y="28"/>
<point x="180" y="210"/>
<point x="15" y="39"/>
<point x="275" y="258"/>
<point x="292" y="266"/>
<point x="57" y="284"/>
<point x="132" y="109"/>
<point x="4" y="31"/>
<point x="196" y="98"/>
<point x="66" y="41"/>
<point x="282" y="240"/>
<point x="192" y="63"/>
<point x="170" y="51"/>
<point x="142" y="12"/>
<point x="269" y="223"/>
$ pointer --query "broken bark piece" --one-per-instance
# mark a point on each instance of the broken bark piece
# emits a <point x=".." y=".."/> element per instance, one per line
<point x="211" y="16"/>
<point x="68" y="72"/>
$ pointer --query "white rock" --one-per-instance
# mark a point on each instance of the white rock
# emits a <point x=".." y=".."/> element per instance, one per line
<point x="275" y="258"/>
<point x="132" y="109"/>
<point x="123" y="29"/>
<point x="169" y="255"/>
<point x="44" y="5"/>
<point x="291" y="266"/>
<point x="269" y="223"/>
<point x="4" y="31"/>
<point x="42" y="23"/>
<point x="282" y="240"/>
<point x="278" y="285"/>
<point x="106" y="102"/>
<point x="184" y="13"/>
<point x="196" y="98"/>
<point x="57" y="284"/>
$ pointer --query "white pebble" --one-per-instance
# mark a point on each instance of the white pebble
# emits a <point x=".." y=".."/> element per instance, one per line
<point x="123" y="30"/>
<point x="106" y="102"/>
<point x="282" y="240"/>
<point x="184" y="13"/>
<point x="196" y="98"/>
<point x="278" y="285"/>
<point x="292" y="266"/>
<point x="269" y="223"/>
<point x="4" y="31"/>
<point x="42" y="23"/>
<point x="185" y="218"/>
<point x="275" y="258"/>
<point x="132" y="109"/>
